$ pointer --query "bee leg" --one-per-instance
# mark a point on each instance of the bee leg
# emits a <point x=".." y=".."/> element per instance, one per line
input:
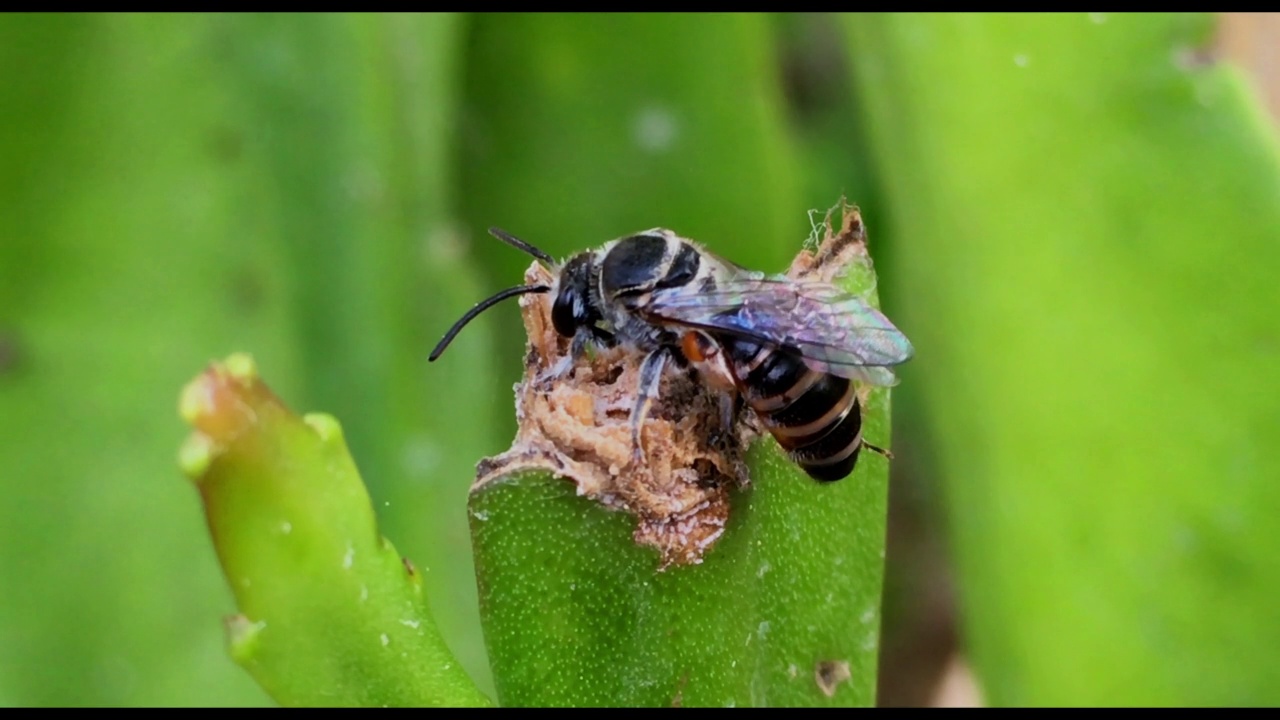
<point x="650" y="379"/>
<point x="875" y="449"/>
<point x="721" y="436"/>
<point x="728" y="406"/>
<point x="603" y="337"/>
<point x="585" y="336"/>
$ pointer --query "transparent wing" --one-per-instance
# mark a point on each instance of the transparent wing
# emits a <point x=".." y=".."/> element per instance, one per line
<point x="834" y="331"/>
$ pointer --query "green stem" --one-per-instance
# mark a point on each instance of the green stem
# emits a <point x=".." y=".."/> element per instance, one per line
<point x="330" y="615"/>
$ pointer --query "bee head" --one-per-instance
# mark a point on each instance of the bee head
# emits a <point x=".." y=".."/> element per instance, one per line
<point x="623" y="271"/>
<point x="573" y="306"/>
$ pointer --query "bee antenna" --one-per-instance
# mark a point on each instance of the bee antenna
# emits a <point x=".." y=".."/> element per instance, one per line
<point x="479" y="308"/>
<point x="519" y="244"/>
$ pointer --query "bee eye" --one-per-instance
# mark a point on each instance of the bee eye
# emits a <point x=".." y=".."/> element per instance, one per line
<point x="563" y="317"/>
<point x="567" y="313"/>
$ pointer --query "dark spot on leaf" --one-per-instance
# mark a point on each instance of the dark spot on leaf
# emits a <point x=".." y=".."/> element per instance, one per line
<point x="474" y="132"/>
<point x="408" y="566"/>
<point x="225" y="144"/>
<point x="829" y="674"/>
<point x="1191" y="58"/>
<point x="1267" y="343"/>
<point x="223" y="39"/>
<point x="10" y="352"/>
<point x="248" y="291"/>
<point x="678" y="699"/>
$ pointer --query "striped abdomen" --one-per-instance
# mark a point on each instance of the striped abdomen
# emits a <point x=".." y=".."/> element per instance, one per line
<point x="814" y="416"/>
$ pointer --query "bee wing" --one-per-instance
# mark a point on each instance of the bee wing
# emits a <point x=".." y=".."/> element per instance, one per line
<point x="834" y="331"/>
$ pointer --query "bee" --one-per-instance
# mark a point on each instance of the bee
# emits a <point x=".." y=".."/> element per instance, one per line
<point x="790" y="348"/>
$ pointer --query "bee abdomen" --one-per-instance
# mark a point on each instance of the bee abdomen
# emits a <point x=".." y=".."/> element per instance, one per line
<point x="833" y="456"/>
<point x="767" y="375"/>
<point x="814" y="416"/>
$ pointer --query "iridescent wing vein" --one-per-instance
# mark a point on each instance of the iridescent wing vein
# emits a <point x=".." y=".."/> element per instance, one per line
<point x="834" y="331"/>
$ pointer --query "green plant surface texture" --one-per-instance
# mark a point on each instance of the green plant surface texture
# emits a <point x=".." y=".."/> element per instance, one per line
<point x="175" y="187"/>
<point x="1087" y="213"/>
<point x="784" y="610"/>
<point x="331" y="615"/>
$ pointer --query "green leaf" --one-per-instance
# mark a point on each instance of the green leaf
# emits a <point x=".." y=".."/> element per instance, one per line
<point x="784" y="609"/>
<point x="331" y="615"/>
<point x="1086" y="217"/>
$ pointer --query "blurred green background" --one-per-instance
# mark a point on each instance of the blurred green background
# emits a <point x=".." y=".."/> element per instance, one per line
<point x="1076" y="218"/>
